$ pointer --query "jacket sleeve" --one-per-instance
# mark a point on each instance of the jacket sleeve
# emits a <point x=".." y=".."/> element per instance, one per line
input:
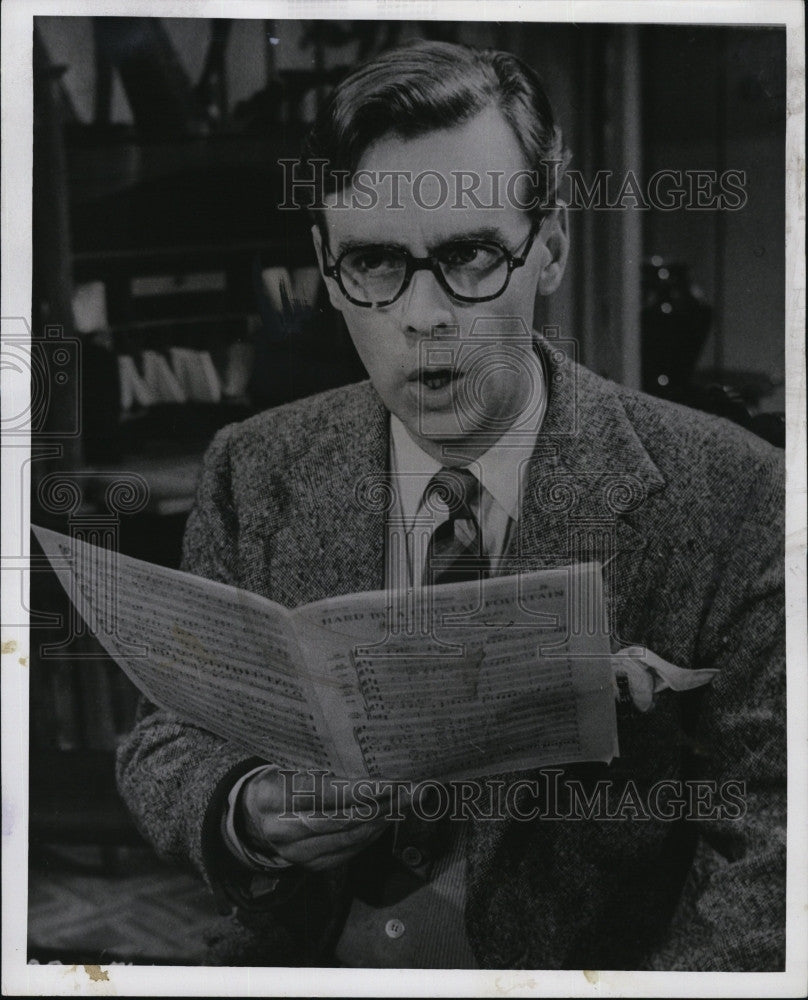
<point x="169" y="771"/>
<point x="175" y="778"/>
<point x="731" y="915"/>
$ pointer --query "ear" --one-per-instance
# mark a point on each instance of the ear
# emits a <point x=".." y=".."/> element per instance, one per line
<point x="555" y="246"/>
<point x="334" y="294"/>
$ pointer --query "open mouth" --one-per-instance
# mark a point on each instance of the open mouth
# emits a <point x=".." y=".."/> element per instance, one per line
<point x="437" y="378"/>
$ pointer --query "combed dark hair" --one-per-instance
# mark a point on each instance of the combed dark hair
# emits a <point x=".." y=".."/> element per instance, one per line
<point x="425" y="86"/>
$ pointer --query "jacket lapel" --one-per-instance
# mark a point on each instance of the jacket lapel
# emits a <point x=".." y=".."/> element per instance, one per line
<point x="588" y="473"/>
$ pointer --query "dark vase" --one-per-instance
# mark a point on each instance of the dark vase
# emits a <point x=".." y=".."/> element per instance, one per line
<point x="675" y="323"/>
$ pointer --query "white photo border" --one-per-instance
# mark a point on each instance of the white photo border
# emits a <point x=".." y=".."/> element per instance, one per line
<point x="20" y="978"/>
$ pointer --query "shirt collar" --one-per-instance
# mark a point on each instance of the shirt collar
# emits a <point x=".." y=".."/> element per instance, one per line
<point x="500" y="469"/>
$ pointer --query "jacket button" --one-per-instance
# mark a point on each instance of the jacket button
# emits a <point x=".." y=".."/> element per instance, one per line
<point x="412" y="856"/>
<point x="394" y="928"/>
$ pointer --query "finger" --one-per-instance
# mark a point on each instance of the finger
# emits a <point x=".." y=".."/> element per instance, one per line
<point x="271" y="791"/>
<point x="396" y="800"/>
<point x="326" y="823"/>
<point x="308" y="848"/>
<point x="327" y="861"/>
<point x="330" y="861"/>
<point x="388" y="801"/>
<point x="381" y="807"/>
<point x="321" y="821"/>
<point x="282" y="831"/>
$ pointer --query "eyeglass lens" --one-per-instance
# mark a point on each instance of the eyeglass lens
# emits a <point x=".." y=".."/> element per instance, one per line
<point x="377" y="274"/>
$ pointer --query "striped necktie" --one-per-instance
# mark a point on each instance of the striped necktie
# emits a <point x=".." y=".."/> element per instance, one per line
<point x="456" y="551"/>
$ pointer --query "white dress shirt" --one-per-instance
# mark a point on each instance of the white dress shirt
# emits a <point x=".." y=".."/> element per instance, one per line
<point x="500" y="470"/>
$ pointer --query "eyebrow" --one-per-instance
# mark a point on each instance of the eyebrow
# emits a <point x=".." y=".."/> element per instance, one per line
<point x="354" y="244"/>
<point x="485" y="234"/>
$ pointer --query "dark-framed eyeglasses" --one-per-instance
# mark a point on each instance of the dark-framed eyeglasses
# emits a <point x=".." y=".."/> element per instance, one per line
<point x="470" y="270"/>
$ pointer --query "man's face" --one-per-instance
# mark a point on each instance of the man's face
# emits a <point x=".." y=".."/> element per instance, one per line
<point x="452" y="371"/>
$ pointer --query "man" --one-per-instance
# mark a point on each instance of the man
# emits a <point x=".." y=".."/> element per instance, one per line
<point x="554" y="465"/>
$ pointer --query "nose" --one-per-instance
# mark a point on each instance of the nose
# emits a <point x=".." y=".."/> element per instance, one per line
<point x="426" y="305"/>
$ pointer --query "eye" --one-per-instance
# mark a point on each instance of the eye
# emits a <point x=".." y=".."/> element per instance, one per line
<point x="372" y="260"/>
<point x="478" y="256"/>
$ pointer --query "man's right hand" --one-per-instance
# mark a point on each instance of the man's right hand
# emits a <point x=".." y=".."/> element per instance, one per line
<point x="315" y="844"/>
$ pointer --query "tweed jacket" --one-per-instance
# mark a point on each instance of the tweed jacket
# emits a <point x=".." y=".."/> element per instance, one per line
<point x="686" y="513"/>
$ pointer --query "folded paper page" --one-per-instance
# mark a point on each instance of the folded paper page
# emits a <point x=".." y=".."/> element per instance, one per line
<point x="466" y="679"/>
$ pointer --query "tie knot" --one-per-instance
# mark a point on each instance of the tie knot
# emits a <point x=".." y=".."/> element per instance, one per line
<point x="457" y="489"/>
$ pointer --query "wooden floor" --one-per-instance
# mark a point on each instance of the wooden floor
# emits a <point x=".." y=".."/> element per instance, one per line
<point x="82" y="909"/>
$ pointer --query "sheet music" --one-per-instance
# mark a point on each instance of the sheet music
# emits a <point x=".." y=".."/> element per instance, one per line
<point x="466" y="680"/>
<point x="473" y="679"/>
<point x="219" y="657"/>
